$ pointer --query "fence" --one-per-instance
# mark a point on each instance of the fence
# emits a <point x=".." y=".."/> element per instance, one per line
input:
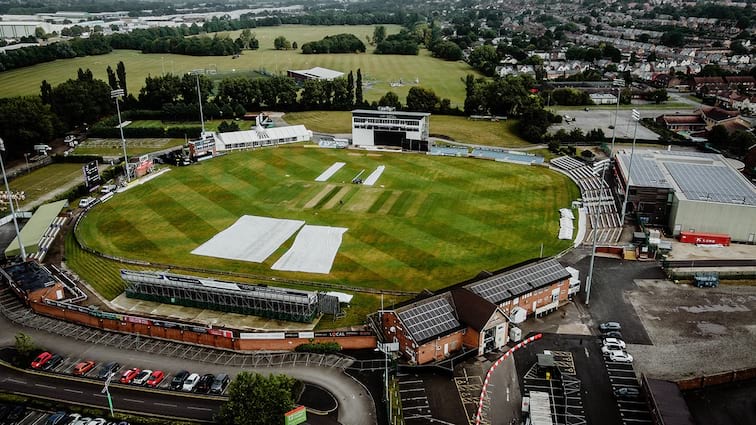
<point x="716" y="379"/>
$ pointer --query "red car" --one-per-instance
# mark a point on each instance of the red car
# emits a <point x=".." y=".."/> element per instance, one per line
<point x="155" y="379"/>
<point x="129" y="375"/>
<point x="41" y="360"/>
<point x="83" y="367"/>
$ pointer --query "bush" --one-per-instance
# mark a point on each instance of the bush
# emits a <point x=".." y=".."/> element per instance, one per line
<point x="319" y="347"/>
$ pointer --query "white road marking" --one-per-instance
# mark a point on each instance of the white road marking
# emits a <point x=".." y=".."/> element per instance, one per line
<point x="164" y="404"/>
<point x="17" y="381"/>
<point x="199" y="408"/>
<point x="133" y="400"/>
<point x="50" y="387"/>
<point x="72" y="391"/>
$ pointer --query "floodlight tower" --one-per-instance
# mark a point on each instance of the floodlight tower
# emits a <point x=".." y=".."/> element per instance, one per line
<point x="10" y="202"/>
<point x="620" y="84"/>
<point x="636" y="118"/>
<point x="197" y="73"/>
<point x="115" y="94"/>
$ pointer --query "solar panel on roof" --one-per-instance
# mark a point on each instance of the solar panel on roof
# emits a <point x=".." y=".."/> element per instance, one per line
<point x="711" y="183"/>
<point x="429" y="319"/>
<point x="520" y="281"/>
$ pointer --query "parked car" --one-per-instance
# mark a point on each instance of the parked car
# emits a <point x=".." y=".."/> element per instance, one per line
<point x="627" y="392"/>
<point x="190" y="382"/>
<point x="82" y="368"/>
<point x="56" y="418"/>
<point x="54" y="362"/>
<point x="108" y="188"/>
<point x="142" y="377"/>
<point x="81" y="420"/>
<point x="620" y="356"/>
<point x="219" y="383"/>
<point x="97" y="421"/>
<point x="108" y="369"/>
<point x="614" y="341"/>
<point x="86" y="202"/>
<point x="606" y="349"/>
<point x="613" y="334"/>
<point x="178" y="380"/>
<point x="155" y="378"/>
<point x="40" y="360"/>
<point x="129" y="375"/>
<point x="204" y="383"/>
<point x="610" y="326"/>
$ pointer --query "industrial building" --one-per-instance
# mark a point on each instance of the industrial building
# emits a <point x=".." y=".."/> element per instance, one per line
<point x="475" y="316"/>
<point x="259" y="300"/>
<point x="688" y="191"/>
<point x="387" y="127"/>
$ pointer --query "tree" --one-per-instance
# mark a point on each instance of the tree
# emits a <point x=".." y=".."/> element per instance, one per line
<point x="358" y="100"/>
<point x="484" y="59"/>
<point x="121" y="73"/>
<point x="188" y="88"/>
<point x="379" y="34"/>
<point x="25" y="349"/>
<point x="294" y="45"/>
<point x="718" y="136"/>
<point x="158" y="91"/>
<point x="81" y="101"/>
<point x="422" y="99"/>
<point x="390" y="99"/>
<point x="25" y="122"/>
<point x="350" y="87"/>
<point x="112" y="80"/>
<point x="280" y="43"/>
<point x="659" y="96"/>
<point x="254" y="399"/>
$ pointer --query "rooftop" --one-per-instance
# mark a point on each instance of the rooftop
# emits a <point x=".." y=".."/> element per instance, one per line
<point x="392" y="113"/>
<point x="429" y="318"/>
<point x="692" y="175"/>
<point x="515" y="282"/>
<point x="319" y="73"/>
<point x="30" y="276"/>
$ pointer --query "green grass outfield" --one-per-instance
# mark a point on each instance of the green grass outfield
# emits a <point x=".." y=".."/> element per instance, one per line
<point x="445" y="78"/>
<point x="428" y="223"/>
<point x="460" y="129"/>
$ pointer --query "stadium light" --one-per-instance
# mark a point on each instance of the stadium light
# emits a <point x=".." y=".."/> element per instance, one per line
<point x="620" y="84"/>
<point x="197" y="73"/>
<point x="10" y="202"/>
<point x="636" y="118"/>
<point x="115" y="94"/>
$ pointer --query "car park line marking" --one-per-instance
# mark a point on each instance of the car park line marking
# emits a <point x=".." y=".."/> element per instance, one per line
<point x="39" y="419"/>
<point x="49" y="387"/>
<point x="164" y="404"/>
<point x="411" y="382"/>
<point x="72" y="391"/>
<point x="199" y="408"/>
<point x="412" y="389"/>
<point x="133" y="400"/>
<point x="633" y="411"/>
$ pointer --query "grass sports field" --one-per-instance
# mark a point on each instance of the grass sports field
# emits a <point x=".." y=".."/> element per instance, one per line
<point x="134" y="147"/>
<point x="445" y="78"/>
<point x="429" y="222"/>
<point x="43" y="181"/>
<point x="460" y="129"/>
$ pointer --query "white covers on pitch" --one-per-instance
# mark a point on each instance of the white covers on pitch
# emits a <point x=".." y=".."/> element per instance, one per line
<point x="330" y="171"/>
<point x="566" y="226"/>
<point x="250" y="238"/>
<point x="373" y="177"/>
<point x="314" y="250"/>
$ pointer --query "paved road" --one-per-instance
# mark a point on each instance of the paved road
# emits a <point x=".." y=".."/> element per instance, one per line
<point x="134" y="400"/>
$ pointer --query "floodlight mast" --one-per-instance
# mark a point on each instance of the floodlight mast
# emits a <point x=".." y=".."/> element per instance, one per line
<point x="197" y="73"/>
<point x="636" y="118"/>
<point x="620" y="84"/>
<point x="10" y="202"/>
<point x="115" y="94"/>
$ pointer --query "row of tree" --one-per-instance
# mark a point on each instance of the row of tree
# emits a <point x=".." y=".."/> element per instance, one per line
<point x="340" y="43"/>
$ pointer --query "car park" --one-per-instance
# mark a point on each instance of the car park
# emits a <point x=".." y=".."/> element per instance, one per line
<point x="82" y="368"/>
<point x="108" y="188"/>
<point x="190" y="382"/>
<point x="620" y="356"/>
<point x="606" y="349"/>
<point x="81" y="420"/>
<point x="129" y="375"/>
<point x="54" y="362"/>
<point x="108" y="369"/>
<point x="97" y="421"/>
<point x="614" y="341"/>
<point x="613" y="334"/>
<point x="627" y="392"/>
<point x="142" y="377"/>
<point x="219" y="383"/>
<point x="40" y="360"/>
<point x="155" y="378"/>
<point x="178" y="380"/>
<point x="610" y="326"/>
<point x="204" y="383"/>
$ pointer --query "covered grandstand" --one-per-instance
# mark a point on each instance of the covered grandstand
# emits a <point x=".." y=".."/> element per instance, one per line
<point x="259" y="300"/>
<point x="260" y="136"/>
<point x="40" y="231"/>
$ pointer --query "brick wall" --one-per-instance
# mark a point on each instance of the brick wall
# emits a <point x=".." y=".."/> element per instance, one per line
<point x="540" y="296"/>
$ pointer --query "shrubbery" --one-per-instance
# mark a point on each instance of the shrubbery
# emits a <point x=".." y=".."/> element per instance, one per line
<point x="319" y="347"/>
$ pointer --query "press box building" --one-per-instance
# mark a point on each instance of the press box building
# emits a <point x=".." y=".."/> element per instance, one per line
<point x="406" y="130"/>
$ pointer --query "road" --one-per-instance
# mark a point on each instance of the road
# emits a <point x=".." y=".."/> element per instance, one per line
<point x="134" y="400"/>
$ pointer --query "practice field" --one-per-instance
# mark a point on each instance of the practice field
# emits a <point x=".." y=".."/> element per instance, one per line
<point x="47" y="180"/>
<point x="134" y="147"/>
<point x="378" y="71"/>
<point x="427" y="223"/>
<point x="460" y="129"/>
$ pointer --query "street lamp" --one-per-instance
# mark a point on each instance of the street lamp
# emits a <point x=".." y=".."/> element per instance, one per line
<point x="620" y="84"/>
<point x="106" y="391"/>
<point x="26" y="157"/>
<point x="636" y="118"/>
<point x="10" y="202"/>
<point x="115" y="94"/>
